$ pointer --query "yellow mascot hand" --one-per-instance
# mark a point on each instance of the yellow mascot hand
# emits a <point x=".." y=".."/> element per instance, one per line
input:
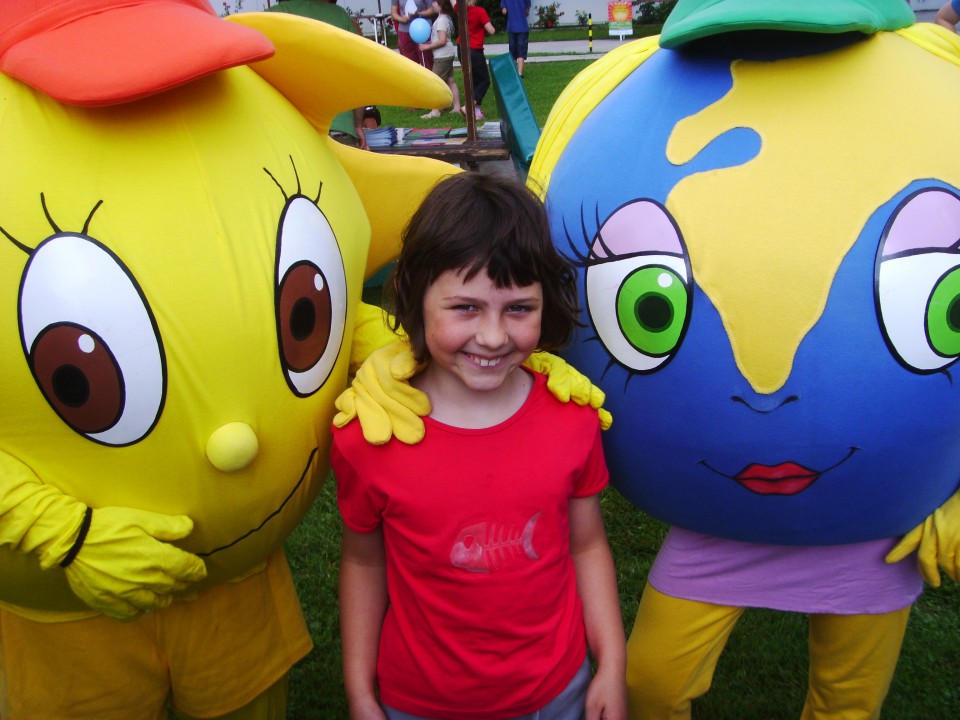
<point x="122" y="564"/>
<point x="382" y="398"/>
<point x="567" y="383"/>
<point x="937" y="542"/>
<point x="370" y="332"/>
<point x="116" y="560"/>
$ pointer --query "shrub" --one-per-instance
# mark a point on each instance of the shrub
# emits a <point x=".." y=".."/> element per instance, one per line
<point x="652" y="12"/>
<point x="497" y="18"/>
<point x="548" y="16"/>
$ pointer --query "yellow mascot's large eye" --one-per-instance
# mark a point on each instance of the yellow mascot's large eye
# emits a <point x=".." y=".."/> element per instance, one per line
<point x="91" y="340"/>
<point x="917" y="282"/>
<point x="638" y="286"/>
<point x="310" y="296"/>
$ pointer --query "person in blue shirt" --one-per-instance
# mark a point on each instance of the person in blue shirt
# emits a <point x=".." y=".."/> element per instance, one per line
<point x="948" y="15"/>
<point x="518" y="29"/>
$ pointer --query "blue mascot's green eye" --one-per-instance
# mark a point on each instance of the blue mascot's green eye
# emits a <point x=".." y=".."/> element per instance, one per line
<point x="652" y="309"/>
<point x="943" y="315"/>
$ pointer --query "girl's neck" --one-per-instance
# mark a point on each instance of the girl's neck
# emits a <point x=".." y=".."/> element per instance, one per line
<point x="453" y="403"/>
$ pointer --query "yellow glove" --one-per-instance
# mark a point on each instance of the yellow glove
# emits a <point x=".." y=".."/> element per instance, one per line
<point x="937" y="542"/>
<point x="382" y="398"/>
<point x="117" y="560"/>
<point x="567" y="383"/>
<point x="370" y="332"/>
<point x="126" y="565"/>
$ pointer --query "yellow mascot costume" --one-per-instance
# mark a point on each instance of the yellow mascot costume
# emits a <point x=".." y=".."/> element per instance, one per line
<point x="182" y="250"/>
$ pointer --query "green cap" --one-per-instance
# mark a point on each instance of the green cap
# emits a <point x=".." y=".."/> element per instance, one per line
<point x="695" y="19"/>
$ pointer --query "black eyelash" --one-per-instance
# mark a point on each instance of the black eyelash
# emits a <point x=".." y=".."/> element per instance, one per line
<point x="581" y="254"/>
<point x="299" y="192"/>
<point x="53" y="225"/>
<point x="613" y="363"/>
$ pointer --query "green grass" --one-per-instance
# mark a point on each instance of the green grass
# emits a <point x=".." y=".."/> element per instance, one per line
<point x="574" y="32"/>
<point x="761" y="674"/>
<point x="563" y="32"/>
<point x="542" y="80"/>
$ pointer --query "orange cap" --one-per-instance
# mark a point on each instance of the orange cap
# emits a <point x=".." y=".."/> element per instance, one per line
<point x="103" y="52"/>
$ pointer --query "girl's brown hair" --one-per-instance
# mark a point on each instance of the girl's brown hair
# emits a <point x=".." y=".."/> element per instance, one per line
<point x="471" y="222"/>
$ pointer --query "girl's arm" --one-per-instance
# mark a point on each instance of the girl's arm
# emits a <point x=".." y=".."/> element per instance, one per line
<point x="363" y="604"/>
<point x="440" y="42"/>
<point x="597" y="586"/>
<point x="489" y="28"/>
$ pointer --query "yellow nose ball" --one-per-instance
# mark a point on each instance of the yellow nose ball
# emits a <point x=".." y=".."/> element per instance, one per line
<point x="232" y="447"/>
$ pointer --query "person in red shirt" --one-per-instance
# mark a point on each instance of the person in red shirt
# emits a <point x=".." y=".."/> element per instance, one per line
<point x="478" y="27"/>
<point x="476" y="572"/>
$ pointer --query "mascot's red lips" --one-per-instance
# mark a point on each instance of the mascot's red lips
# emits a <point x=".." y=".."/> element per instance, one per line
<point x="788" y="478"/>
<point x="784" y="479"/>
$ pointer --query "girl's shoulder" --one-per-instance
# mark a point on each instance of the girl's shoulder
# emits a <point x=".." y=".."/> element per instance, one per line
<point x="584" y="417"/>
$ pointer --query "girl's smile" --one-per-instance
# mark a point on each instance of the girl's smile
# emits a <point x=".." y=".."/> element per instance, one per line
<point x="477" y="335"/>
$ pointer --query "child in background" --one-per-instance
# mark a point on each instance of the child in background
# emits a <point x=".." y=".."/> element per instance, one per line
<point x="402" y="17"/>
<point x="518" y="30"/>
<point x="478" y="23"/>
<point x="476" y="570"/>
<point x="441" y="43"/>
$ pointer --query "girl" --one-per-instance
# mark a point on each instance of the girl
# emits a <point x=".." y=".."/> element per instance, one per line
<point x="475" y="568"/>
<point x="441" y="43"/>
<point x="478" y="26"/>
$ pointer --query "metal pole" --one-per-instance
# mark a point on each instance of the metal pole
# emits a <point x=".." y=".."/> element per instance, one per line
<point x="590" y="31"/>
<point x="467" y="70"/>
<point x="379" y="21"/>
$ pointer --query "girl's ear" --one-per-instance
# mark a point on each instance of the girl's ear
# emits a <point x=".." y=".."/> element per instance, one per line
<point x="323" y="71"/>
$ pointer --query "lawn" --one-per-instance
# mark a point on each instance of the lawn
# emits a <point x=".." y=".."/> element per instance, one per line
<point x="562" y="32"/>
<point x="542" y="80"/>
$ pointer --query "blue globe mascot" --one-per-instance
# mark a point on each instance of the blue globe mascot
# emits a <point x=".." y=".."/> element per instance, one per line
<point x="764" y="206"/>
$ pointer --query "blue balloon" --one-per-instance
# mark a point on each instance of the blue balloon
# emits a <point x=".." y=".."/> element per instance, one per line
<point x="420" y="30"/>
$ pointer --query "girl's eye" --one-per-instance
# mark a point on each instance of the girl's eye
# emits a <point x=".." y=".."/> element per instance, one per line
<point x="917" y="281"/>
<point x="638" y="289"/>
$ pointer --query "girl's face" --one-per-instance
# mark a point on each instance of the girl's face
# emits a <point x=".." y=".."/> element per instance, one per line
<point x="476" y="333"/>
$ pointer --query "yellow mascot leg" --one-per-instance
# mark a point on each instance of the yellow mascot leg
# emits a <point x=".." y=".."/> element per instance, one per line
<point x="852" y="659"/>
<point x="672" y="653"/>
<point x="271" y="704"/>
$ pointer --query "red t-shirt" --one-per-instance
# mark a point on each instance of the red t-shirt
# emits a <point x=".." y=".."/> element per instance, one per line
<point x="484" y="618"/>
<point x="477" y="17"/>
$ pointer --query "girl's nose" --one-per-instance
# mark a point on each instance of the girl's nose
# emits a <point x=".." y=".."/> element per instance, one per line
<point x="492" y="332"/>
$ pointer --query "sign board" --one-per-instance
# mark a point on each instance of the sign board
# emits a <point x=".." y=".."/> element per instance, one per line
<point x="620" y="18"/>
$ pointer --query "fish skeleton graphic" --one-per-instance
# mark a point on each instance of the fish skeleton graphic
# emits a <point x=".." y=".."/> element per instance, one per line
<point x="488" y="546"/>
